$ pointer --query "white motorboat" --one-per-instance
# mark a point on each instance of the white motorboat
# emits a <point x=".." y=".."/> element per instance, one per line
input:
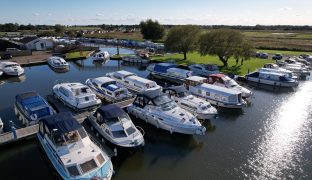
<point x="58" y="62"/>
<point x="1" y="72"/>
<point x="108" y="89"/>
<point x="76" y="95"/>
<point x="223" y="80"/>
<point x="71" y="151"/>
<point x="114" y="124"/>
<point x="216" y="95"/>
<point x="271" y="78"/>
<point x="159" y="110"/>
<point x="197" y="106"/>
<point x="30" y="107"/>
<point x="204" y="69"/>
<point x="1" y="126"/>
<point x="101" y="56"/>
<point x="11" y="68"/>
<point x="169" y="72"/>
<point x="134" y="82"/>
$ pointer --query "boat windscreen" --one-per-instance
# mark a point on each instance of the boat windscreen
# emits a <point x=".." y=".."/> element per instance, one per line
<point x="66" y="138"/>
<point x="163" y="99"/>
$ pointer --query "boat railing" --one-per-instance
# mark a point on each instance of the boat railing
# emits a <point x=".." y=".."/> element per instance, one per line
<point x="141" y="130"/>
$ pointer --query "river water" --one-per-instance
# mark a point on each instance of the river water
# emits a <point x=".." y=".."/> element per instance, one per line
<point x="270" y="139"/>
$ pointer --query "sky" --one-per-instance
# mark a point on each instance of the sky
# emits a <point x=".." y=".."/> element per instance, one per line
<point x="203" y="12"/>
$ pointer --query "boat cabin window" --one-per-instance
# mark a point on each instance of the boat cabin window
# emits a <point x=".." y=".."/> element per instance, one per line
<point x="64" y="91"/>
<point x="73" y="170"/>
<point x="94" y="84"/>
<point x="140" y="101"/>
<point x="130" y="130"/>
<point x="164" y="102"/>
<point x="182" y="94"/>
<point x="199" y="91"/>
<point x="207" y="93"/>
<point x="68" y="138"/>
<point x="11" y="65"/>
<point x="117" y="77"/>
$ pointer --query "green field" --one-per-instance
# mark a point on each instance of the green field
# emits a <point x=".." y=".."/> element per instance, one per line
<point x="74" y="55"/>
<point x="249" y="65"/>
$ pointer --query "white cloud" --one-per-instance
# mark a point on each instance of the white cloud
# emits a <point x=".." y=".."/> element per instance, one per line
<point x="36" y="14"/>
<point x="285" y="9"/>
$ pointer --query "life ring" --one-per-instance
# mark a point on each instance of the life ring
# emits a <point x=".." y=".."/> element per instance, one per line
<point x="34" y="117"/>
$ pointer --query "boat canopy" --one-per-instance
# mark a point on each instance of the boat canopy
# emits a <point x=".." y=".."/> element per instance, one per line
<point x="163" y="67"/>
<point x="30" y="100"/>
<point x="110" y="111"/>
<point x="64" y="122"/>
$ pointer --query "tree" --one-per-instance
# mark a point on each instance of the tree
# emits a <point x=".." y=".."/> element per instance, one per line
<point x="59" y="29"/>
<point x="152" y="29"/>
<point x="225" y="43"/>
<point x="182" y="39"/>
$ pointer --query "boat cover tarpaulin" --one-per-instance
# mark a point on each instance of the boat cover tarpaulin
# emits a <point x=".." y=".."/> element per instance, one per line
<point x="63" y="122"/>
<point x="163" y="67"/>
<point x="110" y="111"/>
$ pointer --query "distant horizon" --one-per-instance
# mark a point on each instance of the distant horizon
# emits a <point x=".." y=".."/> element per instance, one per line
<point x="172" y="12"/>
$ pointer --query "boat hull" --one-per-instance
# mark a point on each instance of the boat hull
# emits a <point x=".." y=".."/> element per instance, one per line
<point x="14" y="73"/>
<point x="272" y="83"/>
<point x="168" y="127"/>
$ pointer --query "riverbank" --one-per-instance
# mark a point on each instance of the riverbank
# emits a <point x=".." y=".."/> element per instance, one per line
<point x="192" y="58"/>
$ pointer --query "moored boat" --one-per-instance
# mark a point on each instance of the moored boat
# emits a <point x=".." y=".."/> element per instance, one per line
<point x="58" y="63"/>
<point x="76" y="96"/>
<point x="216" y="95"/>
<point x="197" y="106"/>
<point x="169" y="72"/>
<point x="134" y="82"/>
<point x="204" y="69"/>
<point x="159" y="110"/>
<point x="114" y="124"/>
<point x="101" y="56"/>
<point x="108" y="89"/>
<point x="271" y="78"/>
<point x="1" y="126"/>
<point x="11" y="68"/>
<point x="30" y="107"/>
<point x="70" y="150"/>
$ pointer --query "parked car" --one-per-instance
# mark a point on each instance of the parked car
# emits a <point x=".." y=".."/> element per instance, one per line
<point x="304" y="56"/>
<point x="7" y="56"/>
<point x="277" y="57"/>
<point x="61" y="55"/>
<point x="262" y="55"/>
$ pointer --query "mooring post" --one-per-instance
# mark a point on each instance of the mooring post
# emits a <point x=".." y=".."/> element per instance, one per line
<point x="13" y="129"/>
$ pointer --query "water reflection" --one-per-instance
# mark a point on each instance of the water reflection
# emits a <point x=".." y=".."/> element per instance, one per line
<point x="285" y="134"/>
<point x="8" y="79"/>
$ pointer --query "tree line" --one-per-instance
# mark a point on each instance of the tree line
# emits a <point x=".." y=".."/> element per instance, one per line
<point x="11" y="27"/>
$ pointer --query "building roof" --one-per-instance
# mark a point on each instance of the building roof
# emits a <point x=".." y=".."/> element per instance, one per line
<point x="26" y="40"/>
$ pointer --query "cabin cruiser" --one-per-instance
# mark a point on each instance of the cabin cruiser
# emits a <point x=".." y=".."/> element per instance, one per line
<point x="159" y="110"/>
<point x="114" y="124"/>
<point x="133" y="82"/>
<point x="101" y="56"/>
<point x="76" y="95"/>
<point x="223" y="80"/>
<point x="169" y="72"/>
<point x="199" y="107"/>
<point x="108" y="89"/>
<point x="204" y="69"/>
<point x="297" y="69"/>
<point x="271" y="78"/>
<point x="216" y="95"/>
<point x="71" y="151"/>
<point x="1" y="72"/>
<point x="1" y="126"/>
<point x="30" y="107"/>
<point x="275" y="68"/>
<point x="11" y="68"/>
<point x="58" y="63"/>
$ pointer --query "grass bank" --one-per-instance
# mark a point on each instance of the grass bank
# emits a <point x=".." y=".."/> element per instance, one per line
<point x="77" y="55"/>
<point x="192" y="58"/>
